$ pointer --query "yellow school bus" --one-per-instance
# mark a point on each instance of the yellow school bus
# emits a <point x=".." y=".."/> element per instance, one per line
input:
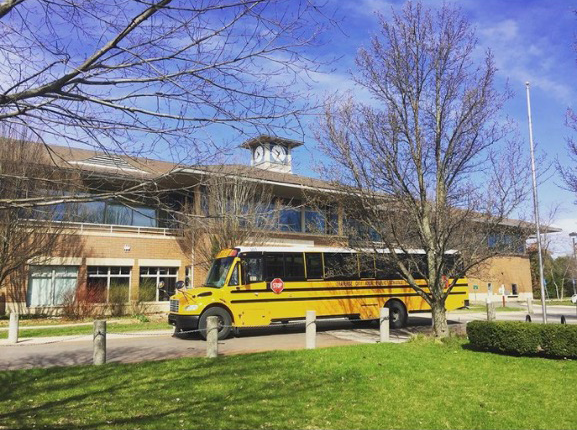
<point x="258" y="286"/>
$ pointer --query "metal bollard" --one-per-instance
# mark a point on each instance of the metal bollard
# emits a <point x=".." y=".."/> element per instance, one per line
<point x="13" y="328"/>
<point x="384" y="325"/>
<point x="490" y="310"/>
<point x="212" y="337"/>
<point x="311" y="330"/>
<point x="528" y="318"/>
<point x="563" y="320"/>
<point x="99" y="343"/>
<point x="529" y="306"/>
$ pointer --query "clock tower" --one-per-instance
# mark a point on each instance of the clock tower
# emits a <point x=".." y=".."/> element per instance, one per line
<point x="271" y="152"/>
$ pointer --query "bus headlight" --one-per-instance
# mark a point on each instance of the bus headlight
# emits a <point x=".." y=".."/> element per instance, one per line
<point x="191" y="307"/>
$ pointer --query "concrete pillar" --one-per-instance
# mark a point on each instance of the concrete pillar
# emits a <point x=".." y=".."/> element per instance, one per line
<point x="311" y="330"/>
<point x="99" y="342"/>
<point x="490" y="310"/>
<point x="529" y="305"/>
<point x="212" y="337"/>
<point x="13" y="328"/>
<point x="384" y="325"/>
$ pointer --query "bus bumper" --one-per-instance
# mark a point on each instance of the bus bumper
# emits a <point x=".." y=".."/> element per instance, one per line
<point x="183" y="322"/>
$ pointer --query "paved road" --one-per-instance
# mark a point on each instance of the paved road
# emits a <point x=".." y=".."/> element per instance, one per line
<point x="158" y="345"/>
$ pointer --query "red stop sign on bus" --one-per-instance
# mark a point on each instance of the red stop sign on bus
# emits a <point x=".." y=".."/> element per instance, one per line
<point x="277" y="285"/>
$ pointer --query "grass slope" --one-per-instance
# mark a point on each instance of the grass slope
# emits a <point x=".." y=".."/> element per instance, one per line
<point x="88" y="329"/>
<point x="414" y="385"/>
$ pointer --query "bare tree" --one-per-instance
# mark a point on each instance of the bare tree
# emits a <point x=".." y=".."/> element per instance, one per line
<point x="229" y="211"/>
<point x="568" y="172"/>
<point x="156" y="77"/>
<point x="29" y="236"/>
<point x="427" y="164"/>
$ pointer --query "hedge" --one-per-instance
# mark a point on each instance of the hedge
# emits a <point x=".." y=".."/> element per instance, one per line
<point x="513" y="337"/>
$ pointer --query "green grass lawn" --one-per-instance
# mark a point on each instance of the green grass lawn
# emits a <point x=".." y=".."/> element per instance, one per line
<point x="415" y="385"/>
<point x="31" y="320"/>
<point x="566" y="302"/>
<point x="87" y="329"/>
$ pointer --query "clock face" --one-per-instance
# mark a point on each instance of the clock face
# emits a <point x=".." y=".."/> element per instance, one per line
<point x="279" y="153"/>
<point x="258" y="154"/>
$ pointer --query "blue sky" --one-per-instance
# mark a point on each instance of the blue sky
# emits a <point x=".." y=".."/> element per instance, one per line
<point x="531" y="41"/>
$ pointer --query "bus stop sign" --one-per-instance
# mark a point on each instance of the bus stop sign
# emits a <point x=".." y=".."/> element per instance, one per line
<point x="277" y="285"/>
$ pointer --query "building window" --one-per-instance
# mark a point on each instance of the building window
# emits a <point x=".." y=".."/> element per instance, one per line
<point x="359" y="232"/>
<point x="321" y="221"/>
<point x="315" y="221"/>
<point x="108" y="284"/>
<point x="51" y="285"/>
<point x="290" y="215"/>
<point x="506" y="243"/>
<point x="111" y="212"/>
<point x="157" y="283"/>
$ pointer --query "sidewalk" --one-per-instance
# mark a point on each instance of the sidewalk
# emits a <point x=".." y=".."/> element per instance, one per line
<point x="25" y="341"/>
<point x="146" y="346"/>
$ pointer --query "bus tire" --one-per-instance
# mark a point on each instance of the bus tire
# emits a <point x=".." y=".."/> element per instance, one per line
<point x="397" y="314"/>
<point x="224" y="322"/>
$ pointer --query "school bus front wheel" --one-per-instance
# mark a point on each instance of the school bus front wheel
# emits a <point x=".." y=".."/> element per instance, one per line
<point x="224" y="322"/>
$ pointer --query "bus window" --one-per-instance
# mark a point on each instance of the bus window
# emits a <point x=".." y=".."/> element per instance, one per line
<point x="274" y="265"/>
<point x="416" y="264"/>
<point x="367" y="265"/>
<point x="386" y="268"/>
<point x="218" y="271"/>
<point x="314" y="265"/>
<point x="294" y="266"/>
<point x="341" y="266"/>
<point x="253" y="269"/>
<point x="233" y="281"/>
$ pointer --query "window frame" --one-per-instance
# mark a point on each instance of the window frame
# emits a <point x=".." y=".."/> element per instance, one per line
<point x="156" y="276"/>
<point x="109" y="276"/>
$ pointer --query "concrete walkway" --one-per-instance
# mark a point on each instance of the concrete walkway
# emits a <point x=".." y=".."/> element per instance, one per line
<point x="143" y="346"/>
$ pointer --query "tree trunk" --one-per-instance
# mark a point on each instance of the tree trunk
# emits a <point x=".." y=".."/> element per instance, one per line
<point x="440" y="326"/>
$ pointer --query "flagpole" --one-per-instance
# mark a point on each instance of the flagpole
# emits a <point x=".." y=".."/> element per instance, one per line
<point x="536" y="207"/>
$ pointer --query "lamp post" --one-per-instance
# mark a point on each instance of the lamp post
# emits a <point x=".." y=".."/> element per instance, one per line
<point x="536" y="207"/>
<point x="572" y="236"/>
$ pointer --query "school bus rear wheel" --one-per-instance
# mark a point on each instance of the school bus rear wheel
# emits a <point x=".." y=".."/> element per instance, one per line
<point x="397" y="314"/>
<point x="224" y="322"/>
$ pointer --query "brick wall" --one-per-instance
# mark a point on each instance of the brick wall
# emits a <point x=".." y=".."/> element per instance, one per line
<point x="501" y="271"/>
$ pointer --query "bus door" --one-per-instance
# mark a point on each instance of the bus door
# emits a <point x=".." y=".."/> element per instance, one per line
<point x="248" y="298"/>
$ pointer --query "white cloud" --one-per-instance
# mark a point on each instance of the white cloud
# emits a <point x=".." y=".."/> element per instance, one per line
<point x="369" y="7"/>
<point x="504" y="30"/>
<point x="561" y="243"/>
<point x="522" y="56"/>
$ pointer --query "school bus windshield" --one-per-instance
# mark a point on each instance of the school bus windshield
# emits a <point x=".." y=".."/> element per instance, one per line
<point x="218" y="271"/>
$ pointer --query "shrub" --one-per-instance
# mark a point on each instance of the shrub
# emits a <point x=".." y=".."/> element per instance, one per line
<point x="147" y="290"/>
<point x="140" y="317"/>
<point x="117" y="299"/>
<point x="78" y="304"/>
<point x="513" y="337"/>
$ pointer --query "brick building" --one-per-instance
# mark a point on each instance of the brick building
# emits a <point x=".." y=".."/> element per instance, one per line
<point x="136" y="251"/>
